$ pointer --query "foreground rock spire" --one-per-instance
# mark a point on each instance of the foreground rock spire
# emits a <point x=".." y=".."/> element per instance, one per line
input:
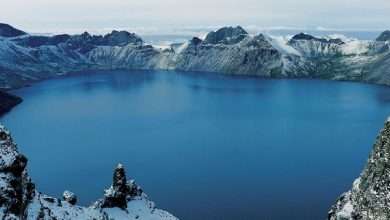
<point x="20" y="200"/>
<point x="369" y="198"/>
<point x="121" y="191"/>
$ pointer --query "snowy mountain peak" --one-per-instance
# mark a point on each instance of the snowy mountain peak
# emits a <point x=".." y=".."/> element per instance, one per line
<point x="226" y="35"/>
<point x="121" y="38"/>
<point x="7" y="30"/>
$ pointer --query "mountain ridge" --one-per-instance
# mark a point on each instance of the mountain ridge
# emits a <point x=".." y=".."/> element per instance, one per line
<point x="228" y="50"/>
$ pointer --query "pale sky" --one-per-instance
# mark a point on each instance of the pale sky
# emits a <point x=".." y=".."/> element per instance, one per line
<point x="63" y="15"/>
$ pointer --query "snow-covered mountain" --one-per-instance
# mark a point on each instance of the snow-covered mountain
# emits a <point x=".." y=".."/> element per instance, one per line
<point x="369" y="197"/>
<point x="26" y="58"/>
<point x="19" y="198"/>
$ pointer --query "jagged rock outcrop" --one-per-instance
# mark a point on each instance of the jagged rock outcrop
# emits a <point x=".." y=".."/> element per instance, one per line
<point x="7" y="102"/>
<point x="69" y="197"/>
<point x="369" y="198"/>
<point x="121" y="191"/>
<point x="19" y="198"/>
<point x="226" y="35"/>
<point x="312" y="46"/>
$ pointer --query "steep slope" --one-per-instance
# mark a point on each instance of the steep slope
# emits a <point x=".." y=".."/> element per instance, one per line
<point x="341" y="59"/>
<point x="229" y="51"/>
<point x="7" y="30"/>
<point x="369" y="197"/>
<point x="7" y="102"/>
<point x="19" y="198"/>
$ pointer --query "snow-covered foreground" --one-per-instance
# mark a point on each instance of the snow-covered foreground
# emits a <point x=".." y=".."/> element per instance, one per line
<point x="19" y="198"/>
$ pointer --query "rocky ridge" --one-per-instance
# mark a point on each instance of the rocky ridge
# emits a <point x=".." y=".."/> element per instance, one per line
<point x="230" y="50"/>
<point x="19" y="198"/>
<point x="7" y="30"/>
<point x="369" y="198"/>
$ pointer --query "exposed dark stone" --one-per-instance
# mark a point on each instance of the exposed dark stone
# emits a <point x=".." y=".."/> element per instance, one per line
<point x="7" y="102"/>
<point x="120" y="38"/>
<point x="195" y="41"/>
<point x="37" y="41"/>
<point x="121" y="190"/>
<point x="70" y="197"/>
<point x="18" y="165"/>
<point x="49" y="199"/>
<point x="116" y="195"/>
<point x="3" y="135"/>
<point x="86" y="42"/>
<point x="226" y="35"/>
<point x="7" y="30"/>
<point x="303" y="36"/>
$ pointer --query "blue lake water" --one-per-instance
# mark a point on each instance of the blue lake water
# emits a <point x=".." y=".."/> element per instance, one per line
<point x="203" y="146"/>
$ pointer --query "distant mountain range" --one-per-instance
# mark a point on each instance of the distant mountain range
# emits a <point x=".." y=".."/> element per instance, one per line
<point x="26" y="58"/>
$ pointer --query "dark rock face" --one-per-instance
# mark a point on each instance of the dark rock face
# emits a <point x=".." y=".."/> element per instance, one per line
<point x="226" y="35"/>
<point x="37" y="41"/>
<point x="369" y="197"/>
<point x="120" y="38"/>
<point x="69" y="197"/>
<point x="384" y="36"/>
<point x="195" y="41"/>
<point x="83" y="42"/>
<point x="121" y="191"/>
<point x="303" y="36"/>
<point x="86" y="42"/>
<point x="7" y="102"/>
<point x="16" y="188"/>
<point x="7" y="30"/>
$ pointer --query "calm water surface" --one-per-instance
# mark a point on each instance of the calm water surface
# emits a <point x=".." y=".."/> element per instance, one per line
<point x="202" y="146"/>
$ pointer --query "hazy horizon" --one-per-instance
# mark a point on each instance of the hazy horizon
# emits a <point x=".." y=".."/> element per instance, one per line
<point x="151" y="16"/>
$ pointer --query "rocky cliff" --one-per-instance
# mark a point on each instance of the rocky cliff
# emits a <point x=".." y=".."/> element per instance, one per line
<point x="20" y="199"/>
<point x="369" y="198"/>
<point x="7" y="102"/>
<point x="26" y="58"/>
